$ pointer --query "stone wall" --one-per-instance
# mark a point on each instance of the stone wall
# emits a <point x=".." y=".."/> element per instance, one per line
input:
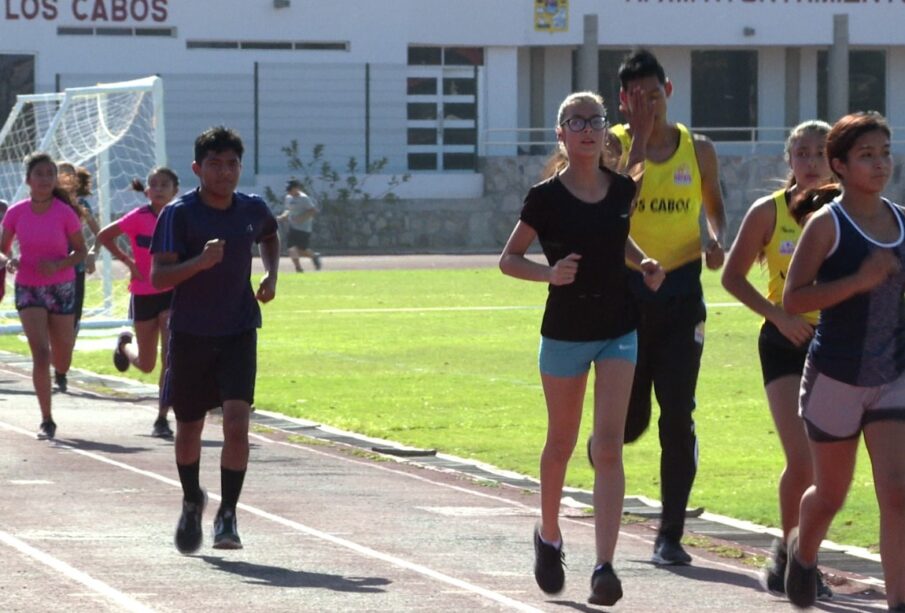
<point x="483" y="225"/>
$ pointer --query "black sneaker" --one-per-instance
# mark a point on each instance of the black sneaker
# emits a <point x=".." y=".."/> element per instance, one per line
<point x="316" y="258"/>
<point x="824" y="592"/>
<point x="60" y="379"/>
<point x="668" y="552"/>
<point x="548" y="563"/>
<point x="775" y="573"/>
<point x="46" y="431"/>
<point x="120" y="359"/>
<point x="162" y="429"/>
<point x="801" y="581"/>
<point x="606" y="588"/>
<point x="226" y="535"/>
<point x="188" y="531"/>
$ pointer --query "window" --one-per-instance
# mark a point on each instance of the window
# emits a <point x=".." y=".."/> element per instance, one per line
<point x="724" y="93"/>
<point x="866" y="82"/>
<point x="17" y="76"/>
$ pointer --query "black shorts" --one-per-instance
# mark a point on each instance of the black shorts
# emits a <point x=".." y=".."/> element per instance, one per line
<point x="205" y="371"/>
<point x="779" y="357"/>
<point x="144" y="307"/>
<point x="298" y="239"/>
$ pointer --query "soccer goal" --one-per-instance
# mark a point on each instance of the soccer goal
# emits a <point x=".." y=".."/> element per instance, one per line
<point x="116" y="131"/>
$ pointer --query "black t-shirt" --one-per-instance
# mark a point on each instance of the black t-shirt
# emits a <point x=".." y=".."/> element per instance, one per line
<point x="598" y="304"/>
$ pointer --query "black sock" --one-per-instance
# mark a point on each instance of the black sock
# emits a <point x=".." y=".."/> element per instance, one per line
<point x="230" y="487"/>
<point x="188" y="477"/>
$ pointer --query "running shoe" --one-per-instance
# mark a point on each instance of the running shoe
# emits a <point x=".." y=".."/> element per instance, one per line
<point x="46" y="431"/>
<point x="606" y="588"/>
<point x="60" y="379"/>
<point x="801" y="581"/>
<point x="226" y="533"/>
<point x="824" y="592"/>
<point x="316" y="258"/>
<point x="162" y="429"/>
<point x="189" y="534"/>
<point x="775" y="573"/>
<point x="548" y="565"/>
<point x="120" y="359"/>
<point x="669" y="552"/>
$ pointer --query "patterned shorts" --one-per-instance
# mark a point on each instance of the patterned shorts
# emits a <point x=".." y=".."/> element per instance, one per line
<point x="58" y="299"/>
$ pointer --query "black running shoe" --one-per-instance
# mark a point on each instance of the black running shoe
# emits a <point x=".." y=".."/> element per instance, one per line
<point x="316" y="258"/>
<point x="606" y="588"/>
<point x="668" y="552"/>
<point x="775" y="573"/>
<point x="188" y="531"/>
<point x="226" y="534"/>
<point x="60" y="379"/>
<point x="120" y="359"/>
<point x="548" y="563"/>
<point x="46" y="431"/>
<point x="824" y="592"/>
<point x="162" y="429"/>
<point x="801" y="581"/>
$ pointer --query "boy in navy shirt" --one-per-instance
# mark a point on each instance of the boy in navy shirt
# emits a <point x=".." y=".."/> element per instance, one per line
<point x="202" y="247"/>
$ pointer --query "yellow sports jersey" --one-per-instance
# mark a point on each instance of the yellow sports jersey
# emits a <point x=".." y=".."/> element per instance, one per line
<point x="778" y="252"/>
<point x="666" y="220"/>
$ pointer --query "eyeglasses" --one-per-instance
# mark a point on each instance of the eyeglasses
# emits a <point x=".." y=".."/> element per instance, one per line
<point x="577" y="124"/>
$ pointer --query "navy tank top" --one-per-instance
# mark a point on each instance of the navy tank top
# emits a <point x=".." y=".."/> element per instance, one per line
<point x="861" y="340"/>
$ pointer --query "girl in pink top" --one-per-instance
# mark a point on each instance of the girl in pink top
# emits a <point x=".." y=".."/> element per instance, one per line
<point x="45" y="226"/>
<point x="149" y="308"/>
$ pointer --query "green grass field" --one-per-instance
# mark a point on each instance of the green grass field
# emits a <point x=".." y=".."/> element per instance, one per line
<point x="447" y="359"/>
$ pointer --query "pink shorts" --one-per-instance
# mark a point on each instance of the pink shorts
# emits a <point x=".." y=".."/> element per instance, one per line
<point x="836" y="411"/>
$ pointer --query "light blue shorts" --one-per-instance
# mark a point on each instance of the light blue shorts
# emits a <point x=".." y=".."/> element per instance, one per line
<point x="571" y="358"/>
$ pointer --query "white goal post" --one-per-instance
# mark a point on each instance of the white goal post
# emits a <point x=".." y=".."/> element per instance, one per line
<point x="116" y="131"/>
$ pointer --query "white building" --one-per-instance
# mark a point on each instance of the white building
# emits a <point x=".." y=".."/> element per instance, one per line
<point x="435" y="85"/>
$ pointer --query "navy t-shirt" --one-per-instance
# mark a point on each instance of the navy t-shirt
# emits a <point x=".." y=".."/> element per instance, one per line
<point x="598" y="305"/>
<point x="218" y="301"/>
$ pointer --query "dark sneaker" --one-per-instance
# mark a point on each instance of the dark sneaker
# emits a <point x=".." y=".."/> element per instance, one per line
<point x="668" y="552"/>
<point x="316" y="258"/>
<point x="226" y="535"/>
<point x="775" y="573"/>
<point x="823" y="590"/>
<point x="188" y="531"/>
<point x="548" y="563"/>
<point x="120" y="359"/>
<point x="801" y="581"/>
<point x="162" y="429"/>
<point x="60" y="379"/>
<point x="606" y="588"/>
<point x="46" y="431"/>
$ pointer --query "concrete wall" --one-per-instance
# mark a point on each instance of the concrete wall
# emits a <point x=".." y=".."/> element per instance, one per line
<point x="483" y="224"/>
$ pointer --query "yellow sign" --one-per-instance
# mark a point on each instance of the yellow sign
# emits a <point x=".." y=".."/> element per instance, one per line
<point x="551" y="15"/>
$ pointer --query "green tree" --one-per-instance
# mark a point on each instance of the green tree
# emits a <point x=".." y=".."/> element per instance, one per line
<point x="341" y="195"/>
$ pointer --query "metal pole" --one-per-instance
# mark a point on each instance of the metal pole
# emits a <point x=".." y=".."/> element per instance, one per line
<point x="837" y="70"/>
<point x="367" y="117"/>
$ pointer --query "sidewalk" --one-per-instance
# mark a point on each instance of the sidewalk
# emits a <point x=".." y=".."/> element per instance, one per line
<point x="328" y="525"/>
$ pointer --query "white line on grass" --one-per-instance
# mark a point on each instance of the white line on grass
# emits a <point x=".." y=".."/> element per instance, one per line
<point x="361" y="549"/>
<point x="74" y="574"/>
<point x="452" y="309"/>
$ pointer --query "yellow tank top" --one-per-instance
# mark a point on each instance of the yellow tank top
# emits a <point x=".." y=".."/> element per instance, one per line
<point x="778" y="252"/>
<point x="666" y="220"/>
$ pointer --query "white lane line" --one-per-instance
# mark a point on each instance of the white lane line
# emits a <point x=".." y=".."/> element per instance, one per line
<point x="361" y="549"/>
<point x="461" y="308"/>
<point x="74" y="574"/>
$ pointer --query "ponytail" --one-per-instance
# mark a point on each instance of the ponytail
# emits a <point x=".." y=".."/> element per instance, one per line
<point x="812" y="200"/>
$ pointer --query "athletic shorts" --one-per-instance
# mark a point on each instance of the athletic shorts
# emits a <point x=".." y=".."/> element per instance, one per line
<point x="298" y="239"/>
<point x="58" y="299"/>
<point x="145" y="307"/>
<point x="836" y="411"/>
<point x="573" y="358"/>
<point x="779" y="357"/>
<point x="205" y="371"/>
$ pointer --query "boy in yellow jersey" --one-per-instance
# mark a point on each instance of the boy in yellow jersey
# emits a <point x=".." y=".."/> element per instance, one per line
<point x="680" y="179"/>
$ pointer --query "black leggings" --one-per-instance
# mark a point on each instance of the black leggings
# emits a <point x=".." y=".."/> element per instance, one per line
<point x="670" y="345"/>
<point x="79" y="297"/>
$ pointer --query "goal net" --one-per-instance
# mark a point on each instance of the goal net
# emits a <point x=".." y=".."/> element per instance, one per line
<point x="116" y="131"/>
